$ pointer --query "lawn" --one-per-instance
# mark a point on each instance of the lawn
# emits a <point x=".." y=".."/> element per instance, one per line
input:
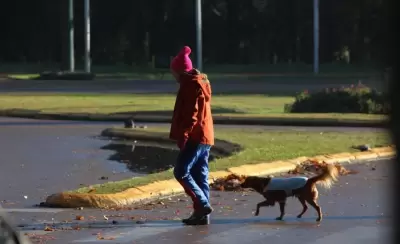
<point x="230" y="105"/>
<point x="114" y="103"/>
<point x="31" y="71"/>
<point x="262" y="145"/>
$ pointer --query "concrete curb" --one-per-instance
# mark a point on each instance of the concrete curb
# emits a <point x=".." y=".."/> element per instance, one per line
<point x="223" y="120"/>
<point x="166" y="188"/>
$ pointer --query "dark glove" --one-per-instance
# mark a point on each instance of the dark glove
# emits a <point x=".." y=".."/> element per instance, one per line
<point x="181" y="143"/>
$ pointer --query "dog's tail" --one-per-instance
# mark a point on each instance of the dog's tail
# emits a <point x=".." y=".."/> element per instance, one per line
<point x="327" y="177"/>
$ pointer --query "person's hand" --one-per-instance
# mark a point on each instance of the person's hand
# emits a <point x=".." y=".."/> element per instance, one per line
<point x="182" y="143"/>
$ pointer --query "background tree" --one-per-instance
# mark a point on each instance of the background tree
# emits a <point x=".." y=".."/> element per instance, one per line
<point x="235" y="32"/>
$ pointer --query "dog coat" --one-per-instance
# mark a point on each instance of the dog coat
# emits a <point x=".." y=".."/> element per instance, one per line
<point x="286" y="184"/>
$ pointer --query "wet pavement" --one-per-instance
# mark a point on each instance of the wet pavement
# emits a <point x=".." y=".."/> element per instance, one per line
<point x="356" y="210"/>
<point x="143" y="158"/>
<point x="44" y="157"/>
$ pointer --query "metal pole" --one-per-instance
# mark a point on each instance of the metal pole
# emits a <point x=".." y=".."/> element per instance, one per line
<point x="316" y="36"/>
<point x="71" y="35"/>
<point x="87" y="36"/>
<point x="199" y="44"/>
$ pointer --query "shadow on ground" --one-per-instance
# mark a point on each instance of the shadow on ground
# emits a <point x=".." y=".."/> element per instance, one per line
<point x="151" y="157"/>
<point x="144" y="159"/>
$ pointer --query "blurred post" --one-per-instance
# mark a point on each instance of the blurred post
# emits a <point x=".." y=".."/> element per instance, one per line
<point x="316" y="36"/>
<point x="199" y="44"/>
<point x="87" y="35"/>
<point x="71" y="35"/>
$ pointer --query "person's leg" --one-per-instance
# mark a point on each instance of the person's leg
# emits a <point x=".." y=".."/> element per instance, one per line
<point x="200" y="173"/>
<point x="187" y="159"/>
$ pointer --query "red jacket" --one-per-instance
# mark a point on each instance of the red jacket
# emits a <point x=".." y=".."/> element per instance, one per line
<point x="192" y="118"/>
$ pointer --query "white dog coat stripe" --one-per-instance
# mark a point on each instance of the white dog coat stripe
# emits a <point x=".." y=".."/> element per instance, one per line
<point x="286" y="184"/>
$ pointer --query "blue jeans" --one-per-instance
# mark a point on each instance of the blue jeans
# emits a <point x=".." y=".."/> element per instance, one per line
<point x="191" y="171"/>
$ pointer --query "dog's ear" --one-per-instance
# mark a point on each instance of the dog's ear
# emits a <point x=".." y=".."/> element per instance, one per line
<point x="242" y="178"/>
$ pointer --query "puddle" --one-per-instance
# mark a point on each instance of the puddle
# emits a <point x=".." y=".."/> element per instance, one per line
<point x="143" y="157"/>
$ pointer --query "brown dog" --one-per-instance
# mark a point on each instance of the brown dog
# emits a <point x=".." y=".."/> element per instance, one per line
<point x="279" y="189"/>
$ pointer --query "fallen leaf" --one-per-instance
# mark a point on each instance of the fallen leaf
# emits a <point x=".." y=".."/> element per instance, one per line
<point x="76" y="227"/>
<point x="106" y="238"/>
<point x="229" y="183"/>
<point x="79" y="217"/>
<point x="227" y="207"/>
<point x="48" y="228"/>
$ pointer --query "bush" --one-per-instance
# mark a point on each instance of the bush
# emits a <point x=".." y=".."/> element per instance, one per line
<point x="352" y="99"/>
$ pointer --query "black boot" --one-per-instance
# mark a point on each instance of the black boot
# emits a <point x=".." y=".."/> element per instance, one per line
<point x="199" y="217"/>
<point x="204" y="211"/>
<point x="196" y="220"/>
<point x="188" y="219"/>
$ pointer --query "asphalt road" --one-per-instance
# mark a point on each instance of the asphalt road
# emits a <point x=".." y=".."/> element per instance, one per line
<point x="356" y="210"/>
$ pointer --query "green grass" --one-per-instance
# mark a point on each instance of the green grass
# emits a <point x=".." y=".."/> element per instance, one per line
<point x="229" y="105"/>
<point x="263" y="146"/>
<point x="228" y="71"/>
<point x="148" y="102"/>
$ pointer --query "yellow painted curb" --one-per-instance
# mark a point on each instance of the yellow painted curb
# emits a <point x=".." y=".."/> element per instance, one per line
<point x="217" y="174"/>
<point x="165" y="188"/>
<point x="365" y="155"/>
<point x="298" y="160"/>
<point x="385" y="151"/>
<point x="341" y="157"/>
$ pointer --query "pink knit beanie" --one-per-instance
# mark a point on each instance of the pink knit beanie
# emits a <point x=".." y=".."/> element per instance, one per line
<point x="182" y="63"/>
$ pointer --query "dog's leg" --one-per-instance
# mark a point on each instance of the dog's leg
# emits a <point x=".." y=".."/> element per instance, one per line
<point x="314" y="204"/>
<point x="270" y="203"/>
<point x="265" y="203"/>
<point x="282" y="209"/>
<point x="303" y="203"/>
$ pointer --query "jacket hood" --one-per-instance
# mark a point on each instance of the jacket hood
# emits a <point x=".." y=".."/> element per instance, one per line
<point x="196" y="76"/>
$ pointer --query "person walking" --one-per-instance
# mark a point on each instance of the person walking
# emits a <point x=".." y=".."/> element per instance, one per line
<point x="192" y="128"/>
